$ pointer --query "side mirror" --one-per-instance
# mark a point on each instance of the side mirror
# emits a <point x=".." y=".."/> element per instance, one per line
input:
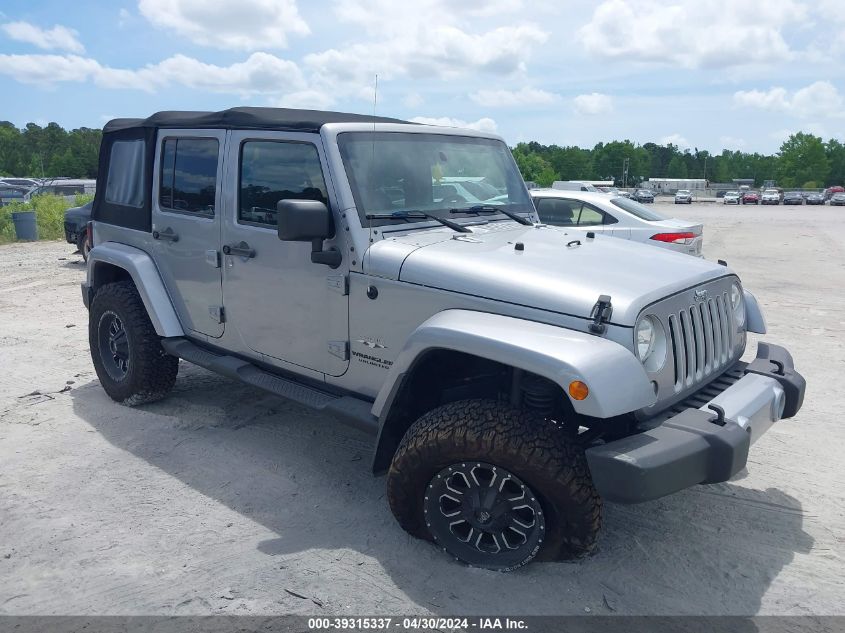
<point x="307" y="221"/>
<point x="303" y="220"/>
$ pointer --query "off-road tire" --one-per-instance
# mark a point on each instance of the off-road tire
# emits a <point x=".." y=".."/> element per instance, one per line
<point x="151" y="372"/>
<point x="523" y="443"/>
<point x="82" y="245"/>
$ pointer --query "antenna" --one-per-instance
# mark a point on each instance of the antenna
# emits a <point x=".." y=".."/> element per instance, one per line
<point x="372" y="292"/>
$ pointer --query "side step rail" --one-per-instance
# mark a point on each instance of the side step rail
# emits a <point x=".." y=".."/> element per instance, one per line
<point x="349" y="410"/>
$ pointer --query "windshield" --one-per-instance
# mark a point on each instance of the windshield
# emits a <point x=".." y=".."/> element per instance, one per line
<point x="435" y="173"/>
<point x="635" y="208"/>
<point x="682" y="192"/>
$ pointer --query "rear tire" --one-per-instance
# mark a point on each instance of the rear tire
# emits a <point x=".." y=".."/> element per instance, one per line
<point x="559" y="516"/>
<point x="127" y="354"/>
<point x="82" y="245"/>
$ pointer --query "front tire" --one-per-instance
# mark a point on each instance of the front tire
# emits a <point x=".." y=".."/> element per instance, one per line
<point x="127" y="354"/>
<point x="494" y="486"/>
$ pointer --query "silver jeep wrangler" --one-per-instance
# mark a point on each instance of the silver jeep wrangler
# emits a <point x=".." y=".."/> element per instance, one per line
<point x="396" y="276"/>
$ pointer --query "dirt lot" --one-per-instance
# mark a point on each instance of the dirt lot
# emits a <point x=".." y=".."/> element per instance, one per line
<point x="221" y="498"/>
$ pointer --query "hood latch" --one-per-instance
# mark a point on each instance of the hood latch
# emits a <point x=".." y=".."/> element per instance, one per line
<point x="600" y="314"/>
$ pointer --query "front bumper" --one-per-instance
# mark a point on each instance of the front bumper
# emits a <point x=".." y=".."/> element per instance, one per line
<point x="701" y="445"/>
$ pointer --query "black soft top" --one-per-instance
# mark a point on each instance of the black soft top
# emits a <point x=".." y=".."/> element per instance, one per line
<point x="246" y="118"/>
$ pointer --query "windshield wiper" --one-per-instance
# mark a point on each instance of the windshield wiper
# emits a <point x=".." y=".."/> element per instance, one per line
<point x="417" y="215"/>
<point x="482" y="208"/>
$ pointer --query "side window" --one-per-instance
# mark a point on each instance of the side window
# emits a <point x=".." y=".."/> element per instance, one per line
<point x="591" y="216"/>
<point x="276" y="170"/>
<point x="125" y="182"/>
<point x="188" y="179"/>
<point x="558" y="211"/>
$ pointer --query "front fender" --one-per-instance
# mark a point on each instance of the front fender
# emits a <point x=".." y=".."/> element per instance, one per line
<point x="754" y="319"/>
<point x="144" y="273"/>
<point x="616" y="379"/>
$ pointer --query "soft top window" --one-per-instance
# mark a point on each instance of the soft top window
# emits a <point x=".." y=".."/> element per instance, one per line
<point x="125" y="184"/>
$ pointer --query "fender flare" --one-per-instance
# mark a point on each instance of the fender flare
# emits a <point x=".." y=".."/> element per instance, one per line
<point x="617" y="381"/>
<point x="140" y="266"/>
<point x="754" y="319"/>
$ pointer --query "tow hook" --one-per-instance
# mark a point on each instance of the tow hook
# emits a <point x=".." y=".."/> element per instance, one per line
<point x="601" y="314"/>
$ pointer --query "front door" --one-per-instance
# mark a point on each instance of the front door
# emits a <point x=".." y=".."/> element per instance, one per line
<point x="281" y="304"/>
<point x="186" y="225"/>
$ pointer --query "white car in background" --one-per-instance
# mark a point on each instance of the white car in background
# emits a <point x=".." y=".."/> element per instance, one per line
<point x="617" y="216"/>
<point x="770" y="196"/>
<point x="731" y="197"/>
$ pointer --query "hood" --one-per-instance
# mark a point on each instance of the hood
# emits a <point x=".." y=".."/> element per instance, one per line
<point x="79" y="214"/>
<point x="547" y="274"/>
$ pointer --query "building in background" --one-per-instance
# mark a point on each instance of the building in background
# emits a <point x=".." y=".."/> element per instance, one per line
<point x="671" y="185"/>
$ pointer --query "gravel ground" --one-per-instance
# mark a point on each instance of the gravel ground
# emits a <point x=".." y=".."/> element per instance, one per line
<point x="222" y="499"/>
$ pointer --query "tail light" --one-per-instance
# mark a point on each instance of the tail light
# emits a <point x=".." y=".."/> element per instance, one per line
<point x="674" y="238"/>
<point x="89" y="234"/>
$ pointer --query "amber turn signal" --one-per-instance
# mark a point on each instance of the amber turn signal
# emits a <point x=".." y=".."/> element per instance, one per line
<point x="578" y="390"/>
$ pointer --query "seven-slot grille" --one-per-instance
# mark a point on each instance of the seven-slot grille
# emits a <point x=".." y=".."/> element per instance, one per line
<point x="701" y="339"/>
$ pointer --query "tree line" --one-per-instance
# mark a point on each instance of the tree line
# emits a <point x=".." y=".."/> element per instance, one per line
<point x="47" y="152"/>
<point x="804" y="160"/>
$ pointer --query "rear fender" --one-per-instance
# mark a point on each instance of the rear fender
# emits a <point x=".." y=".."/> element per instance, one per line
<point x="105" y="257"/>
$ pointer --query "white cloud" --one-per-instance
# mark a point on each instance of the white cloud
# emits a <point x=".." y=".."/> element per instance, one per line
<point x="413" y="100"/>
<point x="423" y="39"/>
<point x="593" y="104"/>
<point x="691" y="33"/>
<point x="675" y="139"/>
<point x="58" y="38"/>
<point x="731" y="142"/>
<point x="484" y="124"/>
<point x="244" y="25"/>
<point x="48" y="69"/>
<point x="514" y="98"/>
<point x="260" y="73"/>
<point x="818" y="99"/>
<point x="308" y="99"/>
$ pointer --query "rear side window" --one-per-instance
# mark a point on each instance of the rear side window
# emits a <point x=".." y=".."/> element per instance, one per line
<point x="125" y="184"/>
<point x="566" y="212"/>
<point x="273" y="171"/>
<point x="188" y="177"/>
<point x="558" y="212"/>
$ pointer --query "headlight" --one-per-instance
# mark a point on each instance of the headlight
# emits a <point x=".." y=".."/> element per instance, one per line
<point x="645" y="338"/>
<point x="738" y="305"/>
<point x="650" y="339"/>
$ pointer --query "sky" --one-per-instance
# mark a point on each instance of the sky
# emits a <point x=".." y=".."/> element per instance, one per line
<point x="706" y="74"/>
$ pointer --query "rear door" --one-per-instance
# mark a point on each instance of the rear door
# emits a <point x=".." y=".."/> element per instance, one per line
<point x="186" y="217"/>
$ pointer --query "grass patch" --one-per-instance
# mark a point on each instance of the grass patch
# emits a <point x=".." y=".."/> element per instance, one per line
<point x="49" y="216"/>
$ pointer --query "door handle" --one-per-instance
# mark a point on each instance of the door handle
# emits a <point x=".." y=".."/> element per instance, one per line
<point x="167" y="235"/>
<point x="243" y="249"/>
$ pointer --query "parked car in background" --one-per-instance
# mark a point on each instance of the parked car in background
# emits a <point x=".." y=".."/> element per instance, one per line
<point x="830" y="191"/>
<point x="750" y="197"/>
<point x="683" y="196"/>
<point x="617" y="216"/>
<point x="815" y="198"/>
<point x="613" y="191"/>
<point x="68" y="188"/>
<point x="793" y="197"/>
<point x="9" y="194"/>
<point x="837" y="200"/>
<point x="26" y="183"/>
<point x="731" y="197"/>
<point x="770" y="196"/>
<point x="643" y="195"/>
<point x="573" y="185"/>
<point x="76" y="228"/>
